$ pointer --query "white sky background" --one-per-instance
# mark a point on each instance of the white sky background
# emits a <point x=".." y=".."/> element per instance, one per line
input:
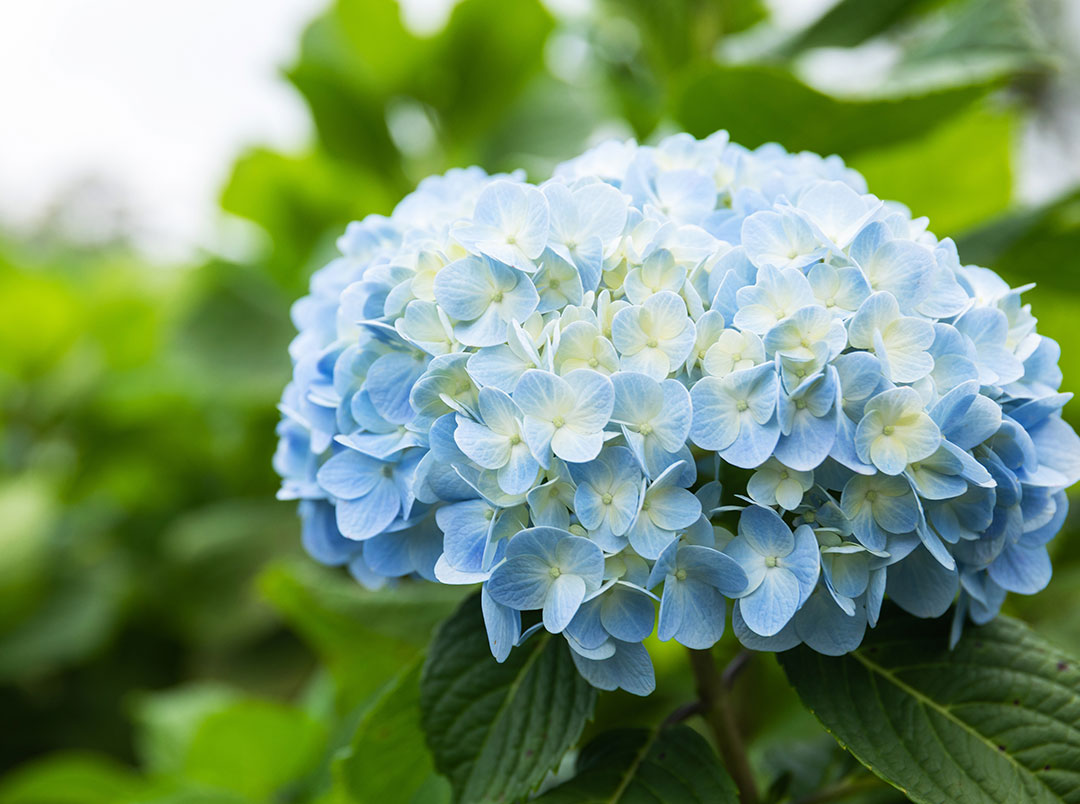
<point x="155" y="99"/>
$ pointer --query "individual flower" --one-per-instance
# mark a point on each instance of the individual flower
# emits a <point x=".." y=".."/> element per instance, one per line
<point x="895" y="431"/>
<point x="697" y="582"/>
<point x="547" y="569"/>
<point x="665" y="508"/>
<point x="654" y="338"/>
<point x="498" y="443"/>
<point x="776" y="484"/>
<point x="735" y="416"/>
<point x="565" y="415"/>
<point x="781" y="568"/>
<point x="607" y="496"/>
<point x="654" y="416"/>
<point x="484" y="295"/>
<point x="509" y="225"/>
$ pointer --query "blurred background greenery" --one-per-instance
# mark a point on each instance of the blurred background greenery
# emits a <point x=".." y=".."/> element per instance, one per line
<point x="161" y="636"/>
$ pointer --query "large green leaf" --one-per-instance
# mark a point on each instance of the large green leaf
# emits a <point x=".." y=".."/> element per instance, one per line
<point x="365" y="637"/>
<point x="387" y="759"/>
<point x="166" y="722"/>
<point x="72" y="778"/>
<point x="635" y="766"/>
<point x="942" y="176"/>
<point x="253" y="748"/>
<point x="496" y="729"/>
<point x="995" y="721"/>
<point x="851" y="22"/>
<point x="765" y="104"/>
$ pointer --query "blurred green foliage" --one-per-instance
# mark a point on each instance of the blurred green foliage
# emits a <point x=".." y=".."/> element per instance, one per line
<point x="154" y="606"/>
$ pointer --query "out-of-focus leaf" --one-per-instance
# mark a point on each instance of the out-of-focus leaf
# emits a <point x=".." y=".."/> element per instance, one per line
<point x="851" y="22"/>
<point x="166" y="722"/>
<point x="297" y="199"/>
<point x="995" y="720"/>
<point x="365" y="637"/>
<point x="474" y="70"/>
<point x="40" y="317"/>
<point x="979" y="37"/>
<point x="495" y="730"/>
<point x="764" y="104"/>
<point x="1041" y="245"/>
<point x="72" y="778"/>
<point x="635" y="765"/>
<point x="75" y="620"/>
<point x="253" y="748"/>
<point x="220" y="550"/>
<point x="945" y="178"/>
<point x="28" y="511"/>
<point x="387" y="759"/>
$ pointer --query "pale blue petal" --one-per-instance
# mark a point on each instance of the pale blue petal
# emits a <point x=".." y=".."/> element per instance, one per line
<point x="714" y="568"/>
<point x="785" y="639"/>
<point x="771" y="606"/>
<point x="503" y="625"/>
<point x="672" y="508"/>
<point x="522" y="582"/>
<point x="349" y="474"/>
<point x="716" y="420"/>
<point x="825" y="628"/>
<point x="921" y="586"/>
<point x="371" y="514"/>
<point x="629" y="669"/>
<point x="1020" y="569"/>
<point x="765" y="531"/>
<point x="704" y="616"/>
<point x="561" y="604"/>
<point x="390" y="381"/>
<point x="627" y="613"/>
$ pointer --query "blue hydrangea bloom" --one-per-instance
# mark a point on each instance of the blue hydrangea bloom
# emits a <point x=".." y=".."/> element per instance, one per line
<point x="537" y="389"/>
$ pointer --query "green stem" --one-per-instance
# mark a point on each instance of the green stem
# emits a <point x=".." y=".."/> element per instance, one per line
<point x="719" y="714"/>
<point x="841" y="790"/>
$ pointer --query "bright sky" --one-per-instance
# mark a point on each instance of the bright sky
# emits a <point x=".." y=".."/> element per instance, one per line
<point x="157" y="98"/>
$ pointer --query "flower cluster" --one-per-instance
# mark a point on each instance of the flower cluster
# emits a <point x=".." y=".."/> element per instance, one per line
<point x="539" y="388"/>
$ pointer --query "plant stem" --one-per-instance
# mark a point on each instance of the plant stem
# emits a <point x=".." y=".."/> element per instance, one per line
<point x="841" y="790"/>
<point x="715" y="697"/>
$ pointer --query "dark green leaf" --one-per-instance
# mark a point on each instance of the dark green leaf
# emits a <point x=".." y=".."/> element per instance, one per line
<point x="387" y="759"/>
<point x="995" y="721"/>
<point x="764" y="104"/>
<point x="637" y="766"/>
<point x="496" y="729"/>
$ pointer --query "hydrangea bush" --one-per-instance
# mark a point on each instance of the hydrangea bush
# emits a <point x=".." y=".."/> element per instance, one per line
<point x="540" y="389"/>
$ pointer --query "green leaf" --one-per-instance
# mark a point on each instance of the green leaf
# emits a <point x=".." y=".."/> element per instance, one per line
<point x="851" y="22"/>
<point x="166" y="722"/>
<point x="671" y="766"/>
<point x="253" y="748"/>
<point x="387" y="759"/>
<point x="365" y="637"/>
<point x="995" y="721"/>
<point x="74" y="778"/>
<point x="942" y="176"/>
<point x="981" y="37"/>
<point x="496" y="729"/>
<point x="765" y="104"/>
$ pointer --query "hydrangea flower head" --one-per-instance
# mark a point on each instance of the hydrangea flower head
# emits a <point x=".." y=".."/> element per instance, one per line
<point x="543" y="390"/>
